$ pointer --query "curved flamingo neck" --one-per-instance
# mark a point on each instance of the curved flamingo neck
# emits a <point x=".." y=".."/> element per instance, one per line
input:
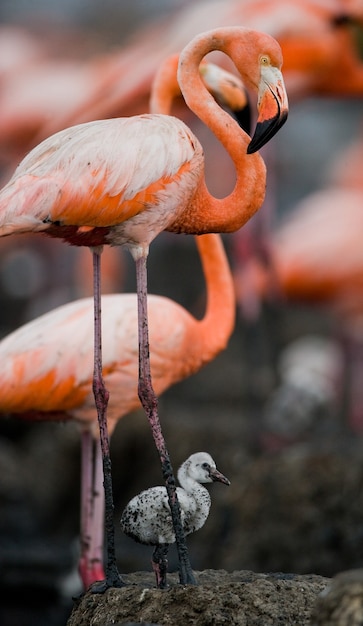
<point x="217" y="324"/>
<point x="207" y="213"/>
<point x="165" y="87"/>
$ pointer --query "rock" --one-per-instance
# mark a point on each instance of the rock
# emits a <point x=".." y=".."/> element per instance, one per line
<point x="341" y="604"/>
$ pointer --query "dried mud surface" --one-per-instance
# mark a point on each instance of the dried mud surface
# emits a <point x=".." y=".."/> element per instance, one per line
<point x="220" y="598"/>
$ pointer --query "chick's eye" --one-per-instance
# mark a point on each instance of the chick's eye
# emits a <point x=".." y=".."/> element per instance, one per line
<point x="205" y="465"/>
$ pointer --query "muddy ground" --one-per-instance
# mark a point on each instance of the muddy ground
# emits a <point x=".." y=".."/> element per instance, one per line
<point x="238" y="598"/>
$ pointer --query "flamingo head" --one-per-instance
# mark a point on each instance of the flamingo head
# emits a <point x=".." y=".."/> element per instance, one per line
<point x="258" y="58"/>
<point x="272" y="105"/>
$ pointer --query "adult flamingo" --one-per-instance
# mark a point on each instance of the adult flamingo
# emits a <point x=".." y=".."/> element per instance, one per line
<point x="123" y="181"/>
<point x="220" y="297"/>
<point x="46" y="370"/>
<point x="229" y="90"/>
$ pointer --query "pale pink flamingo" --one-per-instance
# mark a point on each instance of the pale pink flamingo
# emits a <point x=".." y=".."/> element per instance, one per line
<point x="46" y="369"/>
<point x="123" y="181"/>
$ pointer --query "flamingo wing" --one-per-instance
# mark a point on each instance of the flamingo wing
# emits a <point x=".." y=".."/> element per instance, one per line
<point x="47" y="364"/>
<point x="97" y="174"/>
<point x="39" y="371"/>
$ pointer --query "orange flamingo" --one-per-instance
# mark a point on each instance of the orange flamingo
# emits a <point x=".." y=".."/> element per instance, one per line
<point x="227" y="89"/>
<point x="123" y="181"/>
<point x="46" y="370"/>
<point x="231" y="92"/>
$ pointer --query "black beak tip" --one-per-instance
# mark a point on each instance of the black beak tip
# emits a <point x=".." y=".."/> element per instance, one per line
<point x="265" y="131"/>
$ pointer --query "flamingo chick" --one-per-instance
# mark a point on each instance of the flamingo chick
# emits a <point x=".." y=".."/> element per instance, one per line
<point x="147" y="517"/>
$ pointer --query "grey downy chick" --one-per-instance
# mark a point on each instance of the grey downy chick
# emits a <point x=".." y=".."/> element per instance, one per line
<point x="147" y="518"/>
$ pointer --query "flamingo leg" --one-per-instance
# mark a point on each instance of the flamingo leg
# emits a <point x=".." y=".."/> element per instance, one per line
<point x="113" y="578"/>
<point x="149" y="401"/>
<point x="98" y="514"/>
<point x="159" y="564"/>
<point x="92" y="511"/>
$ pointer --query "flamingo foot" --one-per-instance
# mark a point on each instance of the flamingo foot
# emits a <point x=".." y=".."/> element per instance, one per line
<point x="112" y="579"/>
<point x="159" y="564"/>
<point x="91" y="574"/>
<point x="186" y="575"/>
<point x="101" y="586"/>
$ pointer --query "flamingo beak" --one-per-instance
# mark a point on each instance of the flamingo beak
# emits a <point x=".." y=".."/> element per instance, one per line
<point x="230" y="93"/>
<point x="216" y="476"/>
<point x="243" y="117"/>
<point x="272" y="107"/>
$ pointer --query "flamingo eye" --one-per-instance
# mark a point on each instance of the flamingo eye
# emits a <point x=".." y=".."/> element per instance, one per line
<point x="205" y="465"/>
<point x="265" y="60"/>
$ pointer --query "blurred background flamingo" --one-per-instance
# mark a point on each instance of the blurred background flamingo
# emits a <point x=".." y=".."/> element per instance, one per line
<point x="315" y="258"/>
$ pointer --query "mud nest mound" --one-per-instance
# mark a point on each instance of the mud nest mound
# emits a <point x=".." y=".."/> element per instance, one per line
<point x="220" y="598"/>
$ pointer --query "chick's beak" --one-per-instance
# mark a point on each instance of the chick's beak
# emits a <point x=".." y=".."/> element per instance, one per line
<point x="272" y="108"/>
<point x="216" y="476"/>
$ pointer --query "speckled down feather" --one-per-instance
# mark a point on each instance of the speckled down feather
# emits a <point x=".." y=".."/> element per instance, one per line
<point x="147" y="517"/>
